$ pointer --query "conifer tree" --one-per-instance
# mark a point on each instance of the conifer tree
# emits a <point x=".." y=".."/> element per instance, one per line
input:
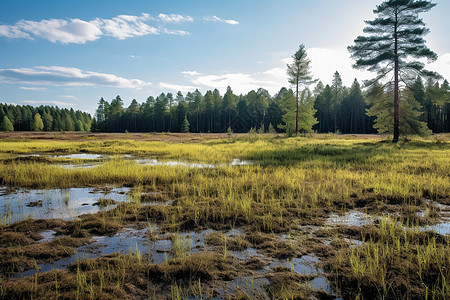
<point x="6" y="124"/>
<point x="36" y="123"/>
<point x="185" y="125"/>
<point x="299" y="73"/>
<point x="410" y="113"/>
<point x="392" y="47"/>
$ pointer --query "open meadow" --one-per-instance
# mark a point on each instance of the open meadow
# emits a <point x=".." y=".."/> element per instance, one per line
<point x="238" y="216"/>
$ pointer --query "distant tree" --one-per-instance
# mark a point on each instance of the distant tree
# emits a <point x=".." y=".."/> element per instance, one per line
<point x="338" y="95"/>
<point x="181" y="114"/>
<point x="69" y="125"/>
<point x="79" y="125"/>
<point x="47" y="119"/>
<point x="209" y="110"/>
<point x="228" y="107"/>
<point x="217" y="108"/>
<point x="353" y="111"/>
<point x="299" y="73"/>
<point x="185" y="125"/>
<point x="393" y="46"/>
<point x="132" y="113"/>
<point x="6" y="124"/>
<point x="37" y="124"/>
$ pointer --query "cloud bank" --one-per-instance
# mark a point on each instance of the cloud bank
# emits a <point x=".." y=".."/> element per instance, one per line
<point x="66" y="76"/>
<point x="77" y="31"/>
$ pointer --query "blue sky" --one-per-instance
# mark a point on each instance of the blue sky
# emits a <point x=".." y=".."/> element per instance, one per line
<point x="71" y="53"/>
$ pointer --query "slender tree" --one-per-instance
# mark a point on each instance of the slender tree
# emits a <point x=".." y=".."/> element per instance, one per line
<point x="37" y="124"/>
<point x="392" y="46"/>
<point x="185" y="125"/>
<point x="299" y="73"/>
<point x="338" y="95"/>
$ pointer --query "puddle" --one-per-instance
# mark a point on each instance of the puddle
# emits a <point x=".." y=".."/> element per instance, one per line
<point x="306" y="265"/>
<point x="78" y="166"/>
<point x="442" y="228"/>
<point x="354" y="218"/>
<point x="127" y="240"/>
<point x="80" y="156"/>
<point x="321" y="283"/>
<point x="180" y="243"/>
<point x="245" y="254"/>
<point x="173" y="163"/>
<point x="140" y="161"/>
<point x="55" y="203"/>
<point x="48" y="236"/>
<point x="238" y="162"/>
<point x="155" y="162"/>
<point x="124" y="241"/>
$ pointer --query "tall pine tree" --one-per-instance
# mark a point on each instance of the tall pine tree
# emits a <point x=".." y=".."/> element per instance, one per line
<point x="392" y="46"/>
<point x="299" y="73"/>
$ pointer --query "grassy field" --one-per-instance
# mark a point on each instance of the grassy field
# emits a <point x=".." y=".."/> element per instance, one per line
<point x="277" y="196"/>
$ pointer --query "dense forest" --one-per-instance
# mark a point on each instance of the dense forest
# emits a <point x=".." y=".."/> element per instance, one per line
<point x="42" y="118"/>
<point x="337" y="109"/>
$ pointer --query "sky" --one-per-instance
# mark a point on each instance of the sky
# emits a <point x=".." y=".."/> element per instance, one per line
<point x="72" y="53"/>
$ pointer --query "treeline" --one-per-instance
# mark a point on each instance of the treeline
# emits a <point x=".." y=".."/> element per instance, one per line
<point x="42" y="118"/>
<point x="338" y="109"/>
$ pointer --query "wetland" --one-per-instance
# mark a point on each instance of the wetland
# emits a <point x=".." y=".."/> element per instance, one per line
<point x="239" y="216"/>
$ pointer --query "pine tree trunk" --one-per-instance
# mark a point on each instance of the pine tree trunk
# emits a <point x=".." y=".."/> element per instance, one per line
<point x="296" y="114"/>
<point x="396" y="70"/>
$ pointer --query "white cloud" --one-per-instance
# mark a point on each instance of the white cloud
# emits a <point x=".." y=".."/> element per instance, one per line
<point x="175" y="18"/>
<point x="13" y="32"/>
<point x="191" y="73"/>
<point x="175" y="32"/>
<point x="441" y="65"/>
<point x="66" y="76"/>
<point x="68" y="96"/>
<point x="217" y="19"/>
<point x="63" y="31"/>
<point x="176" y="87"/>
<point x="60" y="103"/>
<point x="33" y="88"/>
<point x="76" y="31"/>
<point x="124" y="26"/>
<point x="135" y="56"/>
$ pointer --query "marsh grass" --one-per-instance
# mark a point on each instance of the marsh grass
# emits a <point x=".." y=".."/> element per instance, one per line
<point x="393" y="262"/>
<point x="293" y="182"/>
